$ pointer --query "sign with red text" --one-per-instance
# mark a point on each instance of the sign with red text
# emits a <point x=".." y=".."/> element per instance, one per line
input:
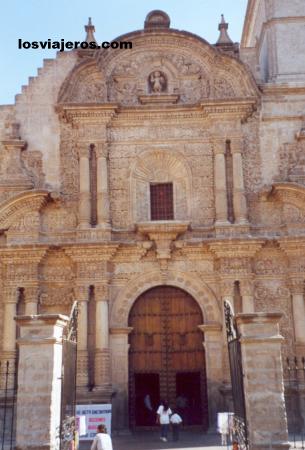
<point x="89" y="417"/>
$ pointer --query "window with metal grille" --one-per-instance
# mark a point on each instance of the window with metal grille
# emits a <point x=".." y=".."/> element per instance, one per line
<point x="161" y="201"/>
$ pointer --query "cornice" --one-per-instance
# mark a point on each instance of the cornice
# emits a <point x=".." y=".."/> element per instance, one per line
<point x="92" y="252"/>
<point x="240" y="248"/>
<point x="281" y="89"/>
<point x="83" y="113"/>
<point x="19" y="255"/>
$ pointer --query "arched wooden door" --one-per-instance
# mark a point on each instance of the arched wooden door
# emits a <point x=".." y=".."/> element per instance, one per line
<point x="166" y="357"/>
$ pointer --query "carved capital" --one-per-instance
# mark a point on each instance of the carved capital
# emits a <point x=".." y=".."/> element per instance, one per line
<point x="31" y="294"/>
<point x="10" y="294"/>
<point x="219" y="146"/>
<point x="82" y="293"/>
<point x="83" y="150"/>
<point x="237" y="144"/>
<point x="246" y="287"/>
<point x="227" y="288"/>
<point x="296" y="285"/>
<point x="101" y="292"/>
<point x="102" y="149"/>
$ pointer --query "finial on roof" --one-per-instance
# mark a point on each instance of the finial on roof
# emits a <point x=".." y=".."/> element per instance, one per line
<point x="156" y="19"/>
<point x="224" y="37"/>
<point x="90" y="29"/>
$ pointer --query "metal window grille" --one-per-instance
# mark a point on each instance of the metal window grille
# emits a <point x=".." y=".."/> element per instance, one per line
<point x="161" y="201"/>
<point x="8" y="398"/>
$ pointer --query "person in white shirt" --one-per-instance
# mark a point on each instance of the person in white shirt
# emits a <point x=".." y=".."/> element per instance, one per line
<point x="175" y="420"/>
<point x="102" y="440"/>
<point x="163" y="414"/>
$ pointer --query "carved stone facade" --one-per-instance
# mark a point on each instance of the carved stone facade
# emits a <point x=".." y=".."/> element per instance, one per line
<point x="168" y="111"/>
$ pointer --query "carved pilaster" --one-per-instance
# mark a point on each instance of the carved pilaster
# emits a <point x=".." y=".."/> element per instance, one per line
<point x="239" y="197"/>
<point x="298" y="309"/>
<point x="103" y="208"/>
<point x="10" y="296"/>
<point x="221" y="205"/>
<point x="84" y="209"/>
<point x="247" y="293"/>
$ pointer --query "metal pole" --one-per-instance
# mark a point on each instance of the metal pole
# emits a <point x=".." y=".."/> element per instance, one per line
<point x="13" y="407"/>
<point x="5" y="403"/>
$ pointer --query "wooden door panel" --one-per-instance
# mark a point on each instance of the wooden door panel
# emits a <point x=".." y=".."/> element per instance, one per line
<point x="165" y="341"/>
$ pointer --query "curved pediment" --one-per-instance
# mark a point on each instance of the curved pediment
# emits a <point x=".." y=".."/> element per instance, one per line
<point x="21" y="205"/>
<point x="167" y="64"/>
<point x="85" y="84"/>
<point x="283" y="208"/>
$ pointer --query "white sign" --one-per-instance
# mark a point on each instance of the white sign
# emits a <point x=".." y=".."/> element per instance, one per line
<point x="89" y="417"/>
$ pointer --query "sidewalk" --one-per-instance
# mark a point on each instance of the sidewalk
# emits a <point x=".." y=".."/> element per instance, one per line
<point x="151" y="441"/>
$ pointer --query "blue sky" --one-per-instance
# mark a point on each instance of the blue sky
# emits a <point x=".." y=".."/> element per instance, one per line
<point x="35" y="20"/>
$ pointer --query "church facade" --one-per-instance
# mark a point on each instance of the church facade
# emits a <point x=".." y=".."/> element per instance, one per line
<point x="151" y="184"/>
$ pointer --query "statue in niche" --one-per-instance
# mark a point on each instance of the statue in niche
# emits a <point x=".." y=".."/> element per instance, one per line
<point x="157" y="82"/>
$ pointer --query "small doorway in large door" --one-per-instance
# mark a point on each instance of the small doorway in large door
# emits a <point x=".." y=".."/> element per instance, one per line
<point x="166" y="356"/>
<point x="147" y="389"/>
<point x="189" y="398"/>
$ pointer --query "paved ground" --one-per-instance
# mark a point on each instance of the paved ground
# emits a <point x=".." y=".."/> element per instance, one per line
<point x="188" y="441"/>
<point x="151" y="441"/>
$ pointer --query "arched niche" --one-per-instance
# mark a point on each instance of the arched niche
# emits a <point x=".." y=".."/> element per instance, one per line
<point x="159" y="166"/>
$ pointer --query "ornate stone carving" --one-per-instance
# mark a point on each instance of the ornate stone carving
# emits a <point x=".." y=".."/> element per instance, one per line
<point x="163" y="234"/>
<point x="223" y="88"/>
<point x="53" y="295"/>
<point x="292" y="162"/>
<point x="86" y="86"/>
<point x="57" y="218"/>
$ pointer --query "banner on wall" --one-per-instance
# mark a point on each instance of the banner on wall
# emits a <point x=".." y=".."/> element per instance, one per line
<point x="89" y="417"/>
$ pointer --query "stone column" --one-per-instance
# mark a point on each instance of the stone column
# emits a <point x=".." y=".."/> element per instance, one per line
<point x="9" y="324"/>
<point x="31" y="300"/>
<point x="221" y="202"/>
<point x="213" y="345"/>
<point x="298" y="309"/>
<point x="239" y="197"/>
<point x="39" y="381"/>
<point x="119" y="367"/>
<point x="82" y="296"/>
<point x="84" y="209"/>
<point x="247" y="293"/>
<point x="263" y="380"/>
<point x="103" y="213"/>
<point x="102" y="357"/>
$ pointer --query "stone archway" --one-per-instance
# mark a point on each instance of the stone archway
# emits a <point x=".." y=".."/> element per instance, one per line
<point x="120" y="330"/>
<point x="140" y="283"/>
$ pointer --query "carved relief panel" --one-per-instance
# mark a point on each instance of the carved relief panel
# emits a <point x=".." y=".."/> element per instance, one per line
<point x="56" y="274"/>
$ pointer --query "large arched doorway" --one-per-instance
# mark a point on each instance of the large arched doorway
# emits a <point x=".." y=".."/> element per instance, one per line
<point x="166" y="357"/>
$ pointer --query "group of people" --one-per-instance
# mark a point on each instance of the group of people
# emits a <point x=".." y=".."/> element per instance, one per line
<point x="167" y="417"/>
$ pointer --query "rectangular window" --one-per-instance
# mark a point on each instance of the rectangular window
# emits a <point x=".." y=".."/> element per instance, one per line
<point x="161" y="201"/>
